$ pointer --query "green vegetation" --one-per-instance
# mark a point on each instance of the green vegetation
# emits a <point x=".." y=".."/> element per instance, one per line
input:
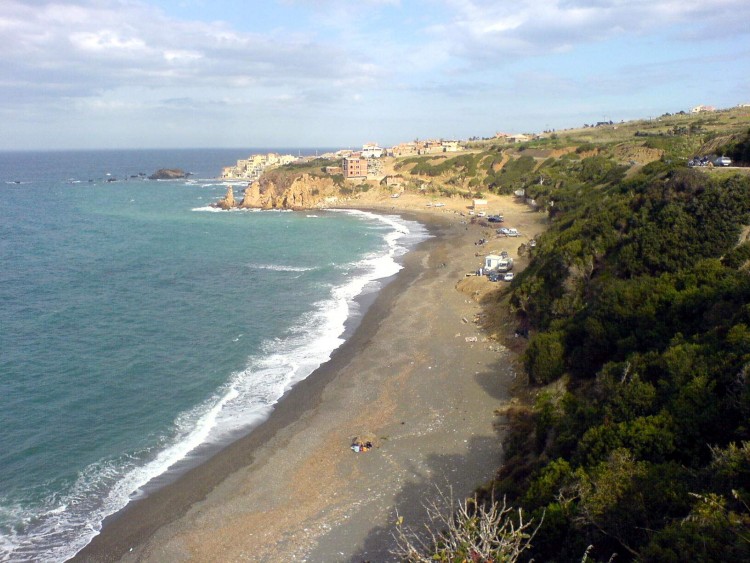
<point x="738" y="149"/>
<point x="638" y="301"/>
<point x="457" y="170"/>
<point x="646" y="326"/>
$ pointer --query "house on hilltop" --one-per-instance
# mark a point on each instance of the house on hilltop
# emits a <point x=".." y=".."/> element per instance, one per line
<point x="702" y="108"/>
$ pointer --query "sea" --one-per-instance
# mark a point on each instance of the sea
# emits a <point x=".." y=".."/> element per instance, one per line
<point x="141" y="330"/>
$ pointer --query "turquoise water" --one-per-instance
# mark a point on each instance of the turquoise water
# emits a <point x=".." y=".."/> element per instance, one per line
<point x="139" y="328"/>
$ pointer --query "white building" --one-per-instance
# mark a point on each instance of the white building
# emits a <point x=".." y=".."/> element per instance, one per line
<point x="371" y="150"/>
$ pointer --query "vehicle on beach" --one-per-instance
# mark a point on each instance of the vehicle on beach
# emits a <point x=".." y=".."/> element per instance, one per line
<point x="493" y="276"/>
<point x="503" y="231"/>
<point x="723" y="161"/>
<point x="505" y="265"/>
<point x="495" y="219"/>
<point x="508" y="276"/>
<point x="513" y="233"/>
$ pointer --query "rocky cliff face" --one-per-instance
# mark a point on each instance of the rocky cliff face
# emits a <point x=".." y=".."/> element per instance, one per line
<point x="304" y="192"/>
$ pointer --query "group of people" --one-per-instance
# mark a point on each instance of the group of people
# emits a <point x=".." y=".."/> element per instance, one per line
<point x="358" y="447"/>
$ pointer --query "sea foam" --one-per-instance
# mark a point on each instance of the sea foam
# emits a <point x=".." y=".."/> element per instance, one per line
<point x="70" y="521"/>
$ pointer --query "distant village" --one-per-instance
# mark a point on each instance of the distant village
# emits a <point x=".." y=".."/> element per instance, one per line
<point x="355" y="165"/>
<point x="366" y="164"/>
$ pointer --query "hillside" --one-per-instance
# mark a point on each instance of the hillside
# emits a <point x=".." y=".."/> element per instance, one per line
<point x="635" y="439"/>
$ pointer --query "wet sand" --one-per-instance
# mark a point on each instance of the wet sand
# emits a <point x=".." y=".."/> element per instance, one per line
<point x="418" y="374"/>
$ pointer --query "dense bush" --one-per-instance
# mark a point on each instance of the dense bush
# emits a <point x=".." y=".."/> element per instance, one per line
<point x="739" y="150"/>
<point x="639" y="295"/>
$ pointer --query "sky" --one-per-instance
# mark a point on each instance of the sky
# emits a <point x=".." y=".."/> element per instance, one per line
<point x="87" y="74"/>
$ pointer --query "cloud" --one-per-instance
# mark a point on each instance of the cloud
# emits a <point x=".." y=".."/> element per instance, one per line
<point x="331" y="67"/>
<point x="81" y="48"/>
<point x="481" y="29"/>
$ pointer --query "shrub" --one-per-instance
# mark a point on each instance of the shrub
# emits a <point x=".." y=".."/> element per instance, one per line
<point x="476" y="531"/>
<point x="544" y="358"/>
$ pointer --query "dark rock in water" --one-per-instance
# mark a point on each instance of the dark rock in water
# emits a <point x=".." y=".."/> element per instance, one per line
<point x="169" y="174"/>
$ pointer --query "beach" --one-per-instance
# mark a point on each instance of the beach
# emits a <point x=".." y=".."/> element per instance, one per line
<point x="419" y="377"/>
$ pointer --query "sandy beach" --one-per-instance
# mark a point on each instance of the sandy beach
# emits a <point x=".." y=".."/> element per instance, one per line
<point x="418" y="375"/>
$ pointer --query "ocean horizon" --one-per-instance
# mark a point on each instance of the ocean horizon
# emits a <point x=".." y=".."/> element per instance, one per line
<point x="143" y="330"/>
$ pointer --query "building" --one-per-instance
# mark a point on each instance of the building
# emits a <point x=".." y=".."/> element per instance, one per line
<point x="403" y="149"/>
<point x="702" y="108"/>
<point x="355" y="166"/>
<point x="450" y="146"/>
<point x="371" y="150"/>
<point x="519" y="138"/>
<point x="252" y="167"/>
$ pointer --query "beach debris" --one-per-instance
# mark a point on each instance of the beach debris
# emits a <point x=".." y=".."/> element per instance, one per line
<point x="471" y="339"/>
<point x="464" y="319"/>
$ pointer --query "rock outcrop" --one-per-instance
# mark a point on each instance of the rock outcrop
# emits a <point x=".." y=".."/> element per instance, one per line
<point x="304" y="192"/>
<point x="227" y="202"/>
<point x="169" y="174"/>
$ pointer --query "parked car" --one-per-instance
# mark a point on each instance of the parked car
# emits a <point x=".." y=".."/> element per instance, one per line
<point x="513" y="233"/>
<point x="493" y="277"/>
<point x="723" y="161"/>
<point x="495" y="218"/>
<point x="532" y="243"/>
<point x="502" y="231"/>
<point x="508" y="276"/>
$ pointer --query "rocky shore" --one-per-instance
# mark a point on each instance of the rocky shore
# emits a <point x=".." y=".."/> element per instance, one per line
<point x="304" y="192"/>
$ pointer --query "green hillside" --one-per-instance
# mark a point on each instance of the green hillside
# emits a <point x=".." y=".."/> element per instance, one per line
<point x="637" y="306"/>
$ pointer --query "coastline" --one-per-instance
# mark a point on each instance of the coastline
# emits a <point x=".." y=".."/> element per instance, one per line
<point x="292" y="489"/>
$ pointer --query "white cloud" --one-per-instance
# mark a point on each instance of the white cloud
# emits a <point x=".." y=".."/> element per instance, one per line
<point x="126" y="65"/>
<point x="86" y="46"/>
<point x="107" y="42"/>
<point x="486" y="28"/>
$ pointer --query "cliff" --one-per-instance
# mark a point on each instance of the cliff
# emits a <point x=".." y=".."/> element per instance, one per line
<point x="303" y="192"/>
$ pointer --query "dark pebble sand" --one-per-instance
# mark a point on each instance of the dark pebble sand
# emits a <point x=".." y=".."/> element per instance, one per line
<point x="418" y="375"/>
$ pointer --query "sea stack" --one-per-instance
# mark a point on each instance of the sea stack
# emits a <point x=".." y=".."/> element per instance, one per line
<point x="227" y="202"/>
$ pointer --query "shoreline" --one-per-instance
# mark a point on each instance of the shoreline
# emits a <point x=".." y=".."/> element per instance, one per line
<point x="292" y="489"/>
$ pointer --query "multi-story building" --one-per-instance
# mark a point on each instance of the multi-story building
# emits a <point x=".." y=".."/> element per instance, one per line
<point x="355" y="166"/>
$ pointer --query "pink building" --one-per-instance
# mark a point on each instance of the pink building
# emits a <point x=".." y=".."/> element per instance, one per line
<point x="355" y="167"/>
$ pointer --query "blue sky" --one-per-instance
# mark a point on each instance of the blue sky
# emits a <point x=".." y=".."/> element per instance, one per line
<point x="335" y="73"/>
